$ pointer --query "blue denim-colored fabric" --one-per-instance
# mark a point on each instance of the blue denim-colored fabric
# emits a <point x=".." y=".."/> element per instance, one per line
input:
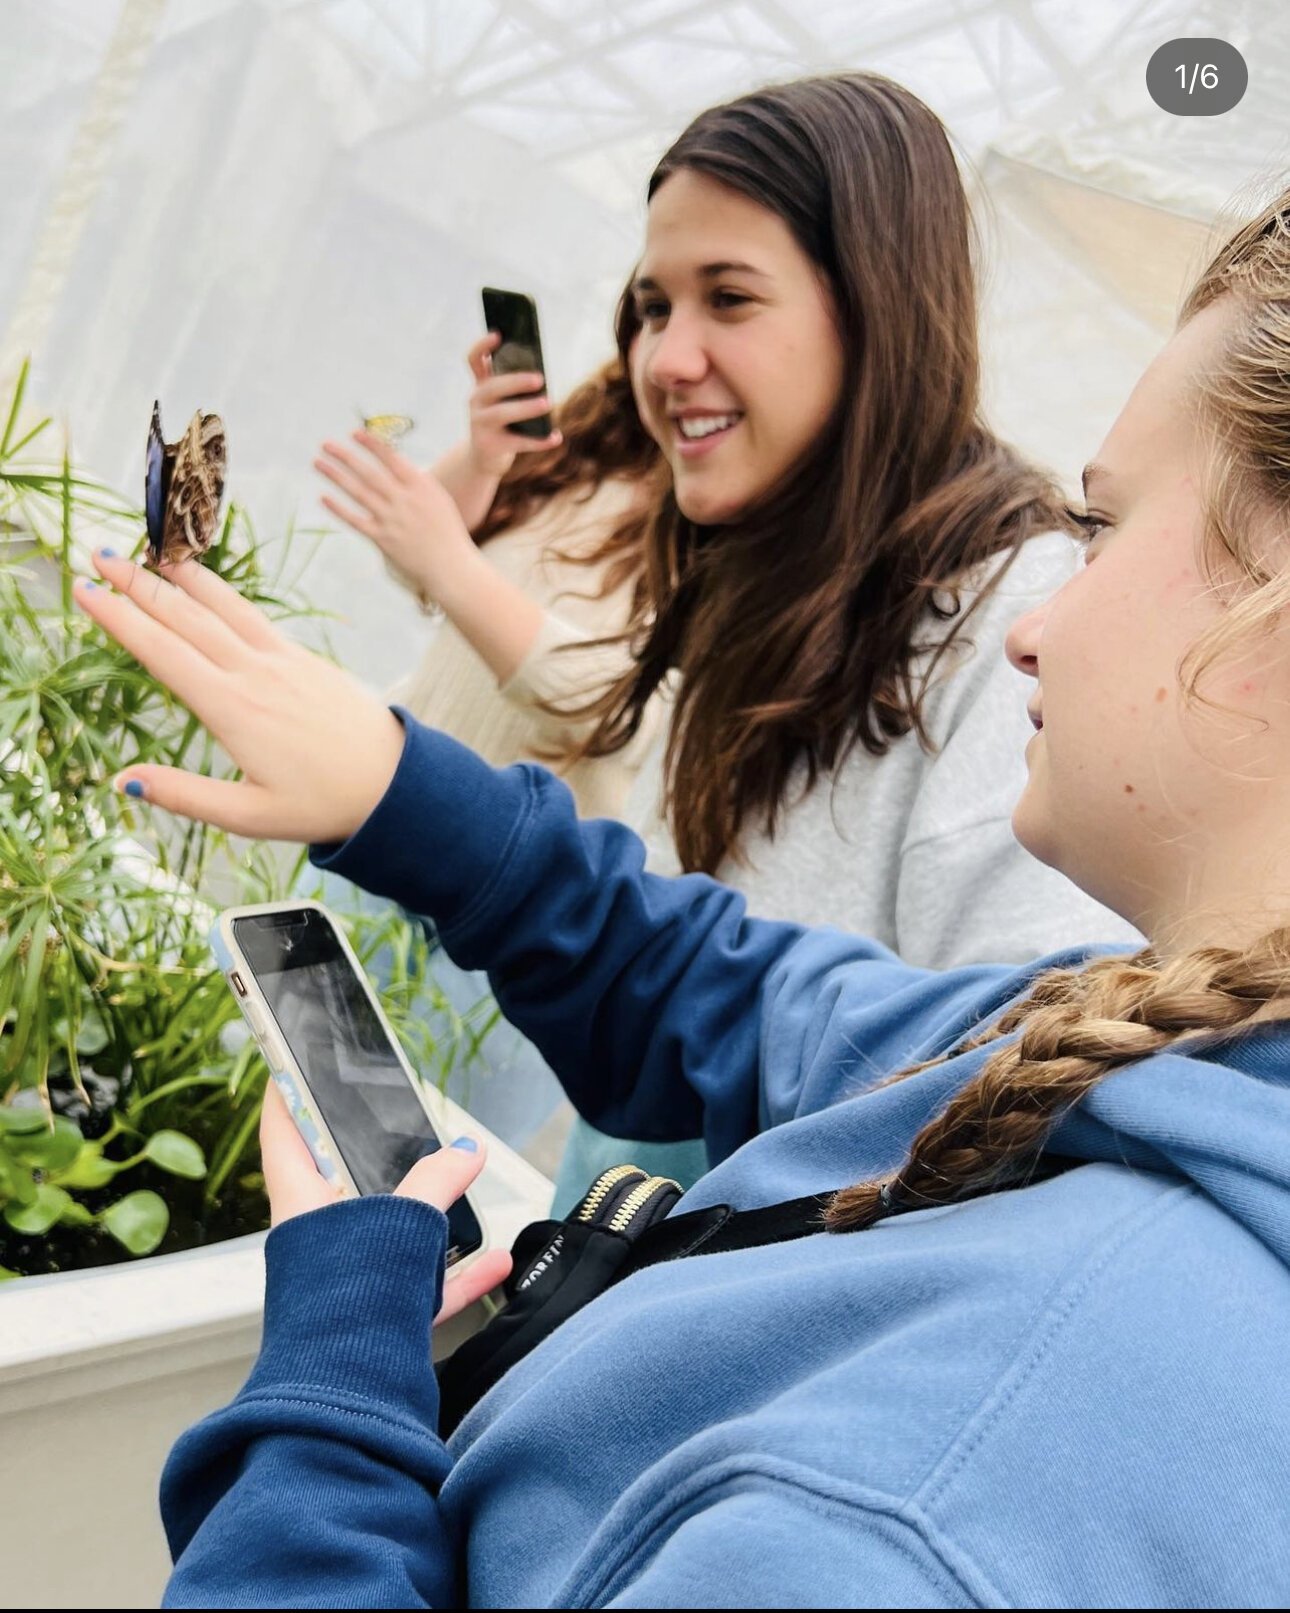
<point x="1071" y="1394"/>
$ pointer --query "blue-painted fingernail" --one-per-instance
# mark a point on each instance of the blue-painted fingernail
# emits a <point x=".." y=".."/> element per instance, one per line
<point x="108" y="554"/>
<point x="134" y="788"/>
<point x="88" y="582"/>
<point x="468" y="1145"/>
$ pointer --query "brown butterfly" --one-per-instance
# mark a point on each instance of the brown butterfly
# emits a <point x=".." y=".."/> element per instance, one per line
<point x="183" y="485"/>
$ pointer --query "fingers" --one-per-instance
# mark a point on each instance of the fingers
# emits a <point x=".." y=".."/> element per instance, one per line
<point x="292" y="1180"/>
<point x="295" y="1186"/>
<point x="191" y="676"/>
<point x="499" y="388"/>
<point x="537" y="445"/>
<point x="442" y="1177"/>
<point x="480" y="1277"/>
<point x="316" y="748"/>
<point x="242" y="808"/>
<point x="400" y="467"/>
<point x="361" y="523"/>
<point x="503" y="414"/>
<point x="366" y="482"/>
<point x="479" y="356"/>
<point x="208" y="589"/>
<point x="174" y="608"/>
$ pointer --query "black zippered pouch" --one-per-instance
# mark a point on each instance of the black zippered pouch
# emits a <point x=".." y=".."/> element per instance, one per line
<point x="621" y="1225"/>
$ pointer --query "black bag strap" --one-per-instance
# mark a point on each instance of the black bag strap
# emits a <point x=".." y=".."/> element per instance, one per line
<point x="720" y="1229"/>
<point x="560" y="1266"/>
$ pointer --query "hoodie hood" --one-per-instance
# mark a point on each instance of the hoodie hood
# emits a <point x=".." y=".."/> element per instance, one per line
<point x="1220" y="1119"/>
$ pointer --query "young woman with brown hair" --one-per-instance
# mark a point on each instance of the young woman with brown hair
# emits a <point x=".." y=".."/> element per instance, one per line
<point x="845" y="540"/>
<point x="827" y="584"/>
<point x="840" y="548"/>
<point x="1036" y="1358"/>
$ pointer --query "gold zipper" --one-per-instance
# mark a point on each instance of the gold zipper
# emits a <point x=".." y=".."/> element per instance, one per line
<point x="638" y="1197"/>
<point x="603" y="1185"/>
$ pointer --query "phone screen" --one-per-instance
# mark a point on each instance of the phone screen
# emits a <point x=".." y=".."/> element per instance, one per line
<point x="359" y="1087"/>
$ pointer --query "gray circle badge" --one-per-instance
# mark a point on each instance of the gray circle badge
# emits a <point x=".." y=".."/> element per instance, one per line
<point x="1197" y="78"/>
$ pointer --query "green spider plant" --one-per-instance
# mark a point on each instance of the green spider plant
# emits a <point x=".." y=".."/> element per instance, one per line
<point x="129" y="1089"/>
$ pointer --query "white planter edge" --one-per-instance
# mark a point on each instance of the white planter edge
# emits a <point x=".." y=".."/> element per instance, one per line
<point x="81" y="1332"/>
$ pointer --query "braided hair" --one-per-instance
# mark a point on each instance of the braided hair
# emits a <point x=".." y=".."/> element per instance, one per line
<point x="1077" y="1026"/>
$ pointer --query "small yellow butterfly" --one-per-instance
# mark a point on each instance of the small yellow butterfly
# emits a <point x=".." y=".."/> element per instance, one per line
<point x="391" y="428"/>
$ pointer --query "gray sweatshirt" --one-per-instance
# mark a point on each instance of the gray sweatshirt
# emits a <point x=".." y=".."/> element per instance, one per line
<point x="915" y="849"/>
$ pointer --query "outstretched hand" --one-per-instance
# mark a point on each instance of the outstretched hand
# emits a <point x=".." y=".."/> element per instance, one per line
<point x="406" y="512"/>
<point x="316" y="750"/>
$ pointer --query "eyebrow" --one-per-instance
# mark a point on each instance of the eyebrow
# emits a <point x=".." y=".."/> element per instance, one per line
<point x="1093" y="473"/>
<point x="708" y="271"/>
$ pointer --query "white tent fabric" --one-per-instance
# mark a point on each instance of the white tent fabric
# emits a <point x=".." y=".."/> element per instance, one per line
<point x="283" y="209"/>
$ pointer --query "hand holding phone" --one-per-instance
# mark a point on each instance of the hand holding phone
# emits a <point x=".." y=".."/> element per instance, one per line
<point x="518" y="351"/>
<point x="497" y="403"/>
<point x="364" y="1116"/>
<point x="296" y="1187"/>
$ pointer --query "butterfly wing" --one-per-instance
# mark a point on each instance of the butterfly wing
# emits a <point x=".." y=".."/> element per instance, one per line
<point x="156" y="484"/>
<point x="392" y="428"/>
<point x="195" y="490"/>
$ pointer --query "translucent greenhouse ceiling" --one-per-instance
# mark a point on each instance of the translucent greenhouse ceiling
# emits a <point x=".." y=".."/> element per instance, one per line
<point x="284" y="209"/>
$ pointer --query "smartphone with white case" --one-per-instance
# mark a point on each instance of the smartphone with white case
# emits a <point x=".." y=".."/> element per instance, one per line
<point x="356" y="1100"/>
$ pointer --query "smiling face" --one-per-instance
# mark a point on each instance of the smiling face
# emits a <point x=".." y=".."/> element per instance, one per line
<point x="1167" y="809"/>
<point x="738" y="366"/>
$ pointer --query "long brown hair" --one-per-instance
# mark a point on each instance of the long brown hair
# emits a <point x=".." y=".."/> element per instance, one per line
<point x="603" y="438"/>
<point x="791" y="654"/>
<point x="1077" y="1026"/>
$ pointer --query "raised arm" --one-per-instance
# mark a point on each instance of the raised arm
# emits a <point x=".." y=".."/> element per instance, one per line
<point x="411" y="518"/>
<point x="473" y="468"/>
<point x="652" y="997"/>
<point x="565" y="666"/>
<point x="471" y="489"/>
<point x="641" y="992"/>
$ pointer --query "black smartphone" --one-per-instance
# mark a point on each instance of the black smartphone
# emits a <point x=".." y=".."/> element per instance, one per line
<point x="349" y="1086"/>
<point x="513" y="315"/>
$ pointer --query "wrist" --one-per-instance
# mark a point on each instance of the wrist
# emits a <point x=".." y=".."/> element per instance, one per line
<point x="439" y="566"/>
<point x="350" y="1296"/>
<point x="458" y="578"/>
<point x="488" y="469"/>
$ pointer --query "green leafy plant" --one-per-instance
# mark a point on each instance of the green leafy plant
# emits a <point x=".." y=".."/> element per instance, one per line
<point x="129" y="1087"/>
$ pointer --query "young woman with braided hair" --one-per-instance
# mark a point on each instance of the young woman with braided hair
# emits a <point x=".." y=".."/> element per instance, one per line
<point x="1078" y="1024"/>
<point x="1036" y="1357"/>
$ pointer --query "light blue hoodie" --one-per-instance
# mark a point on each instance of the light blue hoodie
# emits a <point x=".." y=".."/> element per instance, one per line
<point x="1069" y="1394"/>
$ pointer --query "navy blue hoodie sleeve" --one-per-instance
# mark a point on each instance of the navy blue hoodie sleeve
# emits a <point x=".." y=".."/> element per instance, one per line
<point x="317" y="1486"/>
<point x="642" y="993"/>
